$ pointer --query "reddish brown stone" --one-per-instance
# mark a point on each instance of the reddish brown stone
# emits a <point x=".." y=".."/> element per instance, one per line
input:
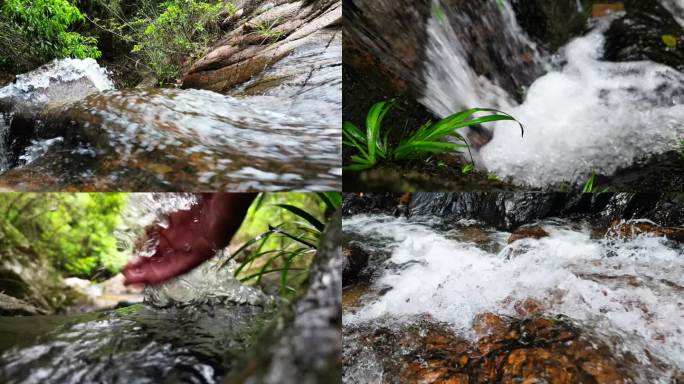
<point x="527" y="233"/>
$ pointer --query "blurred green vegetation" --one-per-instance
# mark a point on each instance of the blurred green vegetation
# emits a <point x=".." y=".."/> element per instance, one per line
<point x="279" y="238"/>
<point x="76" y="232"/>
<point x="33" y="32"/>
<point x="72" y="231"/>
<point x="135" y="38"/>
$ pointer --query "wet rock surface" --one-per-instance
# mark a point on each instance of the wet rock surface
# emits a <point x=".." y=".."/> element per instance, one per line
<point x="639" y="35"/>
<point x="355" y="260"/>
<point x="166" y="140"/>
<point x="552" y="24"/>
<point x="266" y="32"/>
<point x="506" y="350"/>
<point x="527" y="233"/>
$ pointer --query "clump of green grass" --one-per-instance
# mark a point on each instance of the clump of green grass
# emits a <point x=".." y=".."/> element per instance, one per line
<point x="429" y="139"/>
<point x="297" y="241"/>
<point x="267" y="30"/>
<point x="591" y="187"/>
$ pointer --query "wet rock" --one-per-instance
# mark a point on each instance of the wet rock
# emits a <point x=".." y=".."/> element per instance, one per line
<point x="370" y="203"/>
<point x="352" y="296"/>
<point x="604" y="9"/>
<point x="528" y="307"/>
<point x="355" y="260"/>
<point x="53" y="85"/>
<point x="510" y="210"/>
<point x="552" y="23"/>
<point x="630" y="230"/>
<point x="527" y="233"/>
<point x="639" y="35"/>
<point x="10" y="306"/>
<point x="501" y="210"/>
<point x="246" y="51"/>
<point x="538" y="349"/>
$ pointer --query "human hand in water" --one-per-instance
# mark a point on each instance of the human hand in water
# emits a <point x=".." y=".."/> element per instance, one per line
<point x="190" y="238"/>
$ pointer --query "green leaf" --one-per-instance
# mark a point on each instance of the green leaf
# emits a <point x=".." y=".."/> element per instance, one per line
<point x="467" y="168"/>
<point x="670" y="41"/>
<point x="304" y="215"/>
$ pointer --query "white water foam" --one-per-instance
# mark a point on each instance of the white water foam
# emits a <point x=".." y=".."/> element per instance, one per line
<point x="58" y="71"/>
<point x="568" y="272"/>
<point x="588" y="116"/>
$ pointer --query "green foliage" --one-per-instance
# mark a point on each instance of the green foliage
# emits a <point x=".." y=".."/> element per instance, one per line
<point x="282" y="231"/>
<point x="43" y="26"/>
<point x="73" y="231"/>
<point x="268" y="32"/>
<point x="428" y="139"/>
<point x="681" y="149"/>
<point x="467" y="168"/>
<point x="590" y="187"/>
<point x="165" y="35"/>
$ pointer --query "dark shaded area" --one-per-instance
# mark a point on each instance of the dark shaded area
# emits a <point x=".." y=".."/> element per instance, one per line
<point x="552" y="23"/>
<point x="508" y="210"/>
<point x="639" y="35"/>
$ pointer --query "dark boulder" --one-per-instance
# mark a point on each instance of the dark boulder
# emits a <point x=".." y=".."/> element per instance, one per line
<point x="552" y="23"/>
<point x="639" y="35"/>
<point x="355" y="260"/>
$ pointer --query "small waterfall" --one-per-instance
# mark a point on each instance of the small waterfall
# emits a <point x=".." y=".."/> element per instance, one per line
<point x="451" y="83"/>
<point x="584" y="115"/>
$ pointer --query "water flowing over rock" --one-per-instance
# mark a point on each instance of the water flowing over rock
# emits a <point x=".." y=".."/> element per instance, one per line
<point x="179" y="140"/>
<point x="606" y="102"/>
<point x="58" y="83"/>
<point x="586" y="299"/>
<point x="535" y="349"/>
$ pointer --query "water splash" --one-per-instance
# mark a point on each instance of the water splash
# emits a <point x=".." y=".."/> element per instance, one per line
<point x="629" y="286"/>
<point x="585" y="115"/>
<point x="590" y="116"/>
<point x="31" y="86"/>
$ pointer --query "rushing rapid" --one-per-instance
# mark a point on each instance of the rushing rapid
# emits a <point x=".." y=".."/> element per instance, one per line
<point x="628" y="290"/>
<point x="583" y="115"/>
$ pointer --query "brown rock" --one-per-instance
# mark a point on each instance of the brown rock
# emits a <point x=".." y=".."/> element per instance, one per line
<point x="630" y="230"/>
<point x="526" y="233"/>
<point x="600" y="10"/>
<point x="245" y="52"/>
<point x="528" y="307"/>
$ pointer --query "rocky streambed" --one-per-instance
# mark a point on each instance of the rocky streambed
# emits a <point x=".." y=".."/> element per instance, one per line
<point x="258" y="114"/>
<point x="507" y="287"/>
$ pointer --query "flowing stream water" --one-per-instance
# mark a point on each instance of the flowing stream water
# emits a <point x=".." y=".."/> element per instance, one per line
<point x="193" y="329"/>
<point x="627" y="291"/>
<point x="280" y="131"/>
<point x="583" y="115"/>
